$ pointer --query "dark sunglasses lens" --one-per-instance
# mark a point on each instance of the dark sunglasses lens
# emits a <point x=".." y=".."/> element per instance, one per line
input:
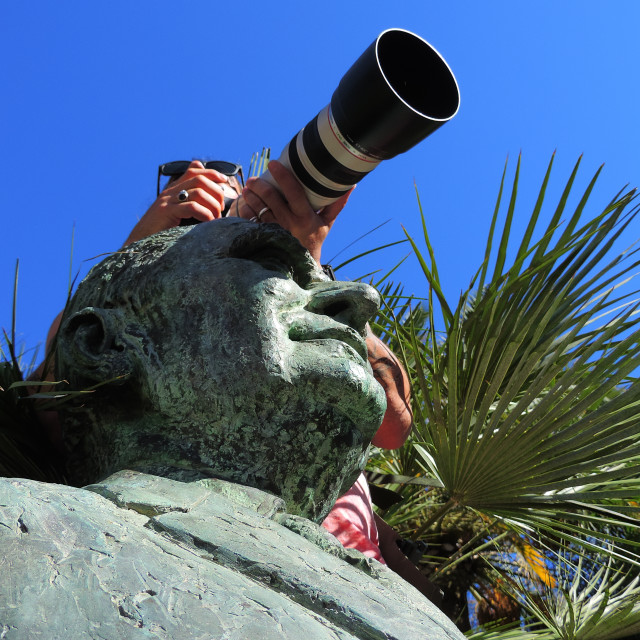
<point x="227" y="168"/>
<point x="176" y="168"/>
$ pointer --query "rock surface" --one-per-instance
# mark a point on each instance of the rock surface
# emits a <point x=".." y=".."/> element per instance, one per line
<point x="140" y="556"/>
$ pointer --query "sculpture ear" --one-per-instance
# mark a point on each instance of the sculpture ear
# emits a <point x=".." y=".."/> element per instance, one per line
<point x="92" y="344"/>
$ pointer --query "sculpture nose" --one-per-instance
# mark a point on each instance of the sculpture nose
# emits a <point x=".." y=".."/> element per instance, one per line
<point x="351" y="303"/>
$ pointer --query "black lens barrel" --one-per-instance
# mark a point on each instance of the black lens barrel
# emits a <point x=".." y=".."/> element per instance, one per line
<point x="398" y="92"/>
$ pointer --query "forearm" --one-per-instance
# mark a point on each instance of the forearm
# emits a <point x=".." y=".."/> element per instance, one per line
<point x="47" y="375"/>
<point x="388" y="371"/>
<point x="398" y="562"/>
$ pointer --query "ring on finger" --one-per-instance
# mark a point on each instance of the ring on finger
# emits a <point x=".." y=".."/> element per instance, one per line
<point x="183" y="195"/>
<point x="261" y="213"/>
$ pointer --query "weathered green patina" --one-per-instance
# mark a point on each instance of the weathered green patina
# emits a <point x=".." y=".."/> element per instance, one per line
<point x="239" y="405"/>
<point x="242" y="362"/>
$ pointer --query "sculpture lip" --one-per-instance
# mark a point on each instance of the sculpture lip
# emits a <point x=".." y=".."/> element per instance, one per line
<point x="343" y="344"/>
<point x="345" y="335"/>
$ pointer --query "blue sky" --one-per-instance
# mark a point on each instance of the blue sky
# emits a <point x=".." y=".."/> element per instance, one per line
<point x="96" y="95"/>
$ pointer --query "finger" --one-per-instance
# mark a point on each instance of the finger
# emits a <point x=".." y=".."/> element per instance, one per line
<point x="210" y="174"/>
<point x="191" y="209"/>
<point x="291" y="189"/>
<point x="266" y="215"/>
<point x="241" y="209"/>
<point x="200" y="212"/>
<point x="260" y="209"/>
<point x="202" y="184"/>
<point x="236" y="209"/>
<point x="330" y="212"/>
<point x="267" y="196"/>
<point x="200" y="196"/>
<point x="196" y="168"/>
<point x="244" y="210"/>
<point x="210" y="197"/>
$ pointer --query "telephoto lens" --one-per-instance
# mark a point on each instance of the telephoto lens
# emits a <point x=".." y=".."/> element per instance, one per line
<point x="398" y="92"/>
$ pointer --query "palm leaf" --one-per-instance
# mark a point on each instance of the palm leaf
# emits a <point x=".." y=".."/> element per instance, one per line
<point x="591" y="602"/>
<point x="530" y="399"/>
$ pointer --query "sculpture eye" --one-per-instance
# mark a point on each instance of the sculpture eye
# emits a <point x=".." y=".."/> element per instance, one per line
<point x="277" y="250"/>
<point x="273" y="260"/>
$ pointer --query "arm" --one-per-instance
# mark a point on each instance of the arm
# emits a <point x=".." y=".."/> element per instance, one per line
<point x="388" y="371"/>
<point x="398" y="562"/>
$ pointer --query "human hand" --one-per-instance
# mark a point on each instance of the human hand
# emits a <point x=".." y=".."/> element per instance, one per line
<point x="291" y="209"/>
<point x="206" y="189"/>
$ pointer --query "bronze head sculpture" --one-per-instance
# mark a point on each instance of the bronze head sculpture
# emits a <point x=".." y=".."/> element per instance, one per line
<point x="230" y="355"/>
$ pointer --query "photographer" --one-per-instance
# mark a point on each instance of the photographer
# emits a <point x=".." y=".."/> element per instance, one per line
<point x="204" y="192"/>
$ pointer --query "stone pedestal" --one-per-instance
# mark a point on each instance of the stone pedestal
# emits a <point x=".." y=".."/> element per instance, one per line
<point x="140" y="556"/>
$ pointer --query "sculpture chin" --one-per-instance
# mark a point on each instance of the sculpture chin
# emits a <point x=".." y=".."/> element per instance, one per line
<point x="305" y="443"/>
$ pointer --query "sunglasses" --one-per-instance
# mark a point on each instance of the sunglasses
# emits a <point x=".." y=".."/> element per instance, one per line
<point x="176" y="168"/>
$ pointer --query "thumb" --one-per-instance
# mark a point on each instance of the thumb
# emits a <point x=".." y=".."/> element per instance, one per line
<point x="331" y="211"/>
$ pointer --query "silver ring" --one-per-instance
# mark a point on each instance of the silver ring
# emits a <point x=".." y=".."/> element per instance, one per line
<point x="261" y="213"/>
<point x="183" y="195"/>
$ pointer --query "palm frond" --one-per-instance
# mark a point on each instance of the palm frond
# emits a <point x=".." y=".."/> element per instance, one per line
<point x="601" y="602"/>
<point x="522" y="401"/>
